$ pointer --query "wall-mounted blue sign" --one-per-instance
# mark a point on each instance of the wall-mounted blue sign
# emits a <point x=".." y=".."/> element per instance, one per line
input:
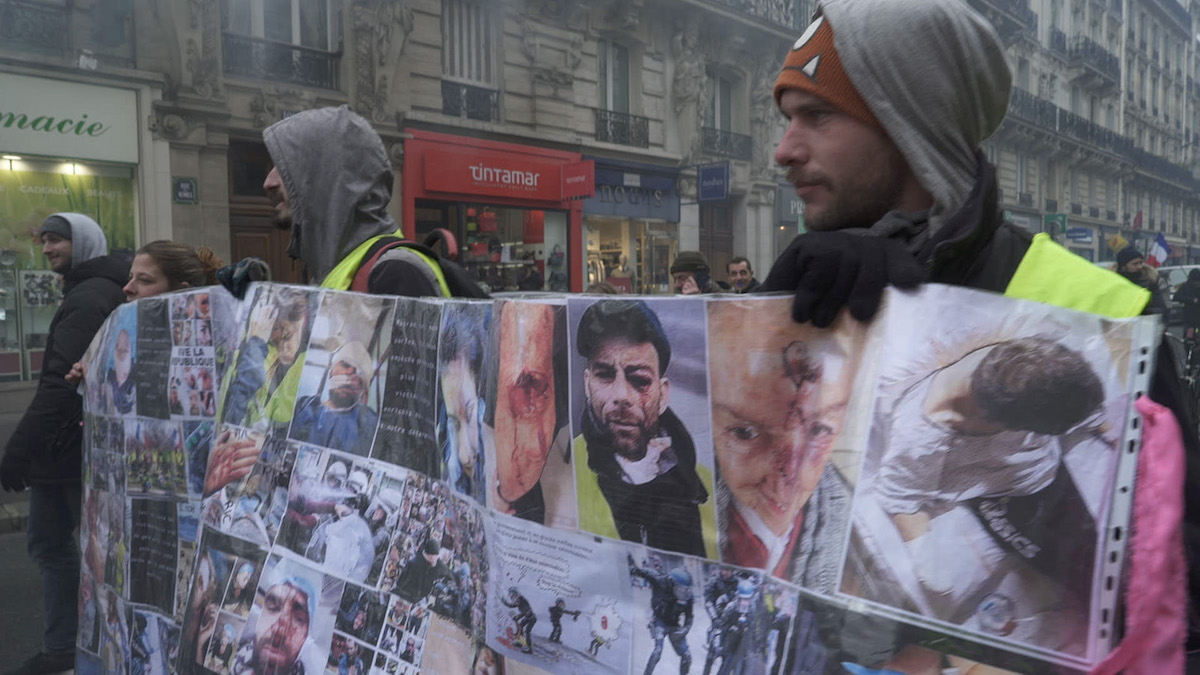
<point x="713" y="182"/>
<point x="629" y="190"/>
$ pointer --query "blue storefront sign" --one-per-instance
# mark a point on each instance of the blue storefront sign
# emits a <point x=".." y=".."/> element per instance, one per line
<point x="629" y="190"/>
<point x="714" y="182"/>
<point x="1080" y="235"/>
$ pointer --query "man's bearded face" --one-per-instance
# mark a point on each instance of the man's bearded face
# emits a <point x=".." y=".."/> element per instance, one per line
<point x="346" y="385"/>
<point x="282" y="630"/>
<point x="626" y="394"/>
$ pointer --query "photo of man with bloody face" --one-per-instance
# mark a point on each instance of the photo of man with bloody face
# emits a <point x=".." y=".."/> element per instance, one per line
<point x="341" y="417"/>
<point x="641" y="474"/>
<point x="779" y="397"/>
<point x="289" y="622"/>
<point x="530" y="475"/>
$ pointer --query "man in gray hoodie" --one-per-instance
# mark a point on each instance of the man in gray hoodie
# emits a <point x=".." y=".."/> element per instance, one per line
<point x="45" y="451"/>
<point x="331" y="185"/>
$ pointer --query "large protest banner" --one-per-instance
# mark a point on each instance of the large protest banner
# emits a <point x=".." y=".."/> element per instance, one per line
<point x="314" y="481"/>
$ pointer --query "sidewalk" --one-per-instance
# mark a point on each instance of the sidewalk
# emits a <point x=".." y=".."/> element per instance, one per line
<point x="14" y="506"/>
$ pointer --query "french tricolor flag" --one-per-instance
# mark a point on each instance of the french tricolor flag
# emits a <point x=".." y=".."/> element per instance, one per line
<point x="1159" y="252"/>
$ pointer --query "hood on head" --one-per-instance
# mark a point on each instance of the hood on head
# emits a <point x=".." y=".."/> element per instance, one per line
<point x="87" y="239"/>
<point x="935" y="75"/>
<point x="339" y="182"/>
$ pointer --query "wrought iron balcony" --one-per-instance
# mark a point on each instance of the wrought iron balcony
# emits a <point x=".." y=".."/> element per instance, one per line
<point x="721" y="143"/>
<point x="622" y="128"/>
<point x="34" y="26"/>
<point x="1010" y="18"/>
<point x="470" y="102"/>
<point x="1162" y="167"/>
<point x="1058" y="41"/>
<point x="1033" y="109"/>
<point x="279" y="61"/>
<point x="1088" y="54"/>
<point x="771" y="11"/>
<point x="1025" y="198"/>
<point x="1045" y="114"/>
<point x="1115" y="7"/>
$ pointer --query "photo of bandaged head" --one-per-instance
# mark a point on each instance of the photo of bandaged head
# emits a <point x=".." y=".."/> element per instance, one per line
<point x="462" y="403"/>
<point x="779" y="396"/>
<point x="341" y="388"/>
<point x="642" y="450"/>
<point x="341" y="513"/>
<point x="262" y="386"/>
<point x="290" y="628"/>
<point x="530" y="466"/>
<point x="154" y="458"/>
<point x="438" y="559"/>
<point x="987" y="471"/>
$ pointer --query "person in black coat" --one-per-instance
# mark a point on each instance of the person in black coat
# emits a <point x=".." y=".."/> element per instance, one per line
<point x="45" y="453"/>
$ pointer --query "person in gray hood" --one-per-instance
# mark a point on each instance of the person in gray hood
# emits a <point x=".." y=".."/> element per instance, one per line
<point x="331" y="185"/>
<point x="886" y="106"/>
<point x="45" y="451"/>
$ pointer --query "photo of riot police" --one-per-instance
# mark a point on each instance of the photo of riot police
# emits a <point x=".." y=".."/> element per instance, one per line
<point x="780" y="394"/>
<point x="154" y="459"/>
<point x="462" y="403"/>
<point x="642" y="450"/>
<point x="219" y="658"/>
<point x="290" y="628"/>
<point x="988" y="471"/>
<point x="438" y="557"/>
<point x="670" y="626"/>
<point x="341" y="387"/>
<point x="529" y="469"/>
<point x="341" y="512"/>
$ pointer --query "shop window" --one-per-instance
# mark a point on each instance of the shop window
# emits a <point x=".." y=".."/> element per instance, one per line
<point x="505" y="249"/>
<point x="296" y="41"/>
<point x="613" y="80"/>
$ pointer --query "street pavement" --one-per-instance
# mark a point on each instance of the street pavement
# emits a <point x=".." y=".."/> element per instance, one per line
<point x="20" y="583"/>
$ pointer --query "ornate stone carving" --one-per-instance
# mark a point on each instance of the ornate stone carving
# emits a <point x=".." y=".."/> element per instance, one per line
<point x="764" y="118"/>
<point x="203" y="61"/>
<point x="203" y="69"/>
<point x="553" y="65"/>
<point x="396" y="153"/>
<point x="690" y="86"/>
<point x="262" y="110"/>
<point x="268" y="104"/>
<point x="381" y="30"/>
<point x="624" y="14"/>
<point x="173" y="126"/>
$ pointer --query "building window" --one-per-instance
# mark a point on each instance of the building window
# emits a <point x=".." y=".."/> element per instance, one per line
<point x="719" y="114"/>
<point x="468" y="43"/>
<point x="1022" y="172"/>
<point x="303" y="23"/>
<point x="613" y="79"/>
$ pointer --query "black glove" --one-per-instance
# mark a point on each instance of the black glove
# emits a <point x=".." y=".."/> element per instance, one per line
<point x="14" y="473"/>
<point x="832" y="270"/>
<point x="236" y="278"/>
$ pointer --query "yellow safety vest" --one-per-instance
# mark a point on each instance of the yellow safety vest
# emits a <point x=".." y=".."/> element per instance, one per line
<point x="1051" y="274"/>
<point x="341" y="276"/>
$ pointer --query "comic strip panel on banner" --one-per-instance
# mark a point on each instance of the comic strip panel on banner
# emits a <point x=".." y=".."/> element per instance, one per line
<point x="325" y="482"/>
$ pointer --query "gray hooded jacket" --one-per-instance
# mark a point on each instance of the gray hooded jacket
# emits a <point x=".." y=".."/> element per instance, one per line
<point x="87" y="239"/>
<point x="934" y="74"/>
<point x="339" y="182"/>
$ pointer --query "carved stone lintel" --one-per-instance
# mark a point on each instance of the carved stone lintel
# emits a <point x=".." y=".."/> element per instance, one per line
<point x="624" y="14"/>
<point x="548" y="68"/>
<point x="173" y="126"/>
<point x="262" y="110"/>
<point x="562" y="13"/>
<point x="267" y="104"/>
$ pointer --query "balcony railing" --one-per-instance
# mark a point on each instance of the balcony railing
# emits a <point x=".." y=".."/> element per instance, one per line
<point x="1087" y="52"/>
<point x="470" y="102"/>
<point x="279" y="61"/>
<point x="34" y="26"/>
<point x="779" y="13"/>
<point x="622" y="128"/>
<point x="721" y="143"/>
<point x="1115" y="7"/>
<point x="1161" y="166"/>
<point x="1058" y="41"/>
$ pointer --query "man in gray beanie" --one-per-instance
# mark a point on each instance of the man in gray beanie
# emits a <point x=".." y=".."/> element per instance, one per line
<point x="45" y="452"/>
<point x="690" y="274"/>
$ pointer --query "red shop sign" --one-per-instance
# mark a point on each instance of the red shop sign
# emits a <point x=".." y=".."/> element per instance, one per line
<point x="496" y="174"/>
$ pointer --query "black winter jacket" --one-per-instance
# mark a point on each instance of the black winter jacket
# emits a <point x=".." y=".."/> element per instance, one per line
<point x="50" y="435"/>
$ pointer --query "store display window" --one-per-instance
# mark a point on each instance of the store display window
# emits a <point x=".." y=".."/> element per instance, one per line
<point x="30" y="190"/>
<point x="635" y="256"/>
<point x="506" y="249"/>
